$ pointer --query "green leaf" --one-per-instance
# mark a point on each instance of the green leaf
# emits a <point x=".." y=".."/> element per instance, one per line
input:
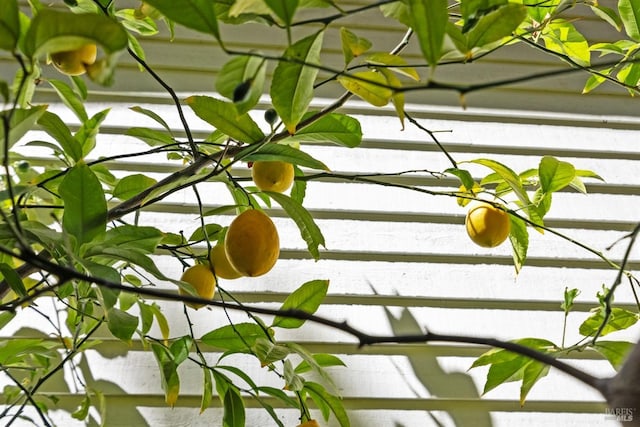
<point x="285" y="153"/>
<point x="83" y="409"/>
<point x="309" y="230"/>
<point x="562" y="37"/>
<point x="608" y="15"/>
<point x="630" y="15"/>
<point x="168" y="371"/>
<point x="134" y="256"/>
<point x="121" y="324"/>
<point x="53" y="125"/>
<point x="293" y="78"/>
<point x="352" y="45"/>
<point x="13" y="279"/>
<point x="335" y="127"/>
<point x="465" y="177"/>
<point x="322" y="397"/>
<point x="284" y="9"/>
<point x="267" y="352"/>
<point x="6" y="317"/>
<point x="225" y="118"/>
<point x="70" y="98"/>
<point x="429" y="21"/>
<point x="208" y="232"/>
<point x="533" y="372"/>
<point x="152" y="137"/>
<point x="199" y="15"/>
<point x="9" y="24"/>
<point x="495" y="25"/>
<point x="85" y="207"/>
<point x="141" y="238"/>
<point x="614" y="351"/>
<point x="207" y="389"/>
<point x="368" y="85"/>
<point x="594" y="81"/>
<point x="54" y="31"/>
<point x="555" y="174"/>
<point x="307" y="298"/>
<point x="163" y="324"/>
<point x="519" y="238"/>
<point x="280" y="395"/>
<point x="234" y="413"/>
<point x="88" y="131"/>
<point x="321" y="359"/>
<point x="330" y="385"/>
<point x="239" y="70"/>
<point x="180" y="349"/>
<point x="132" y="185"/>
<point x="22" y="121"/>
<point x="152" y="115"/>
<point x="508" y="175"/>
<point x="618" y="320"/>
<point x="237" y="337"/>
<point x="569" y="296"/>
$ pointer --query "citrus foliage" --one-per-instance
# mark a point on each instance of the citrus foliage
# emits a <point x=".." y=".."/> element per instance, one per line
<point x="98" y="262"/>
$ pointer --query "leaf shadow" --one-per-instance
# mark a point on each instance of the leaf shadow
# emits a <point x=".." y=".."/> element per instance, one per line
<point x="435" y="380"/>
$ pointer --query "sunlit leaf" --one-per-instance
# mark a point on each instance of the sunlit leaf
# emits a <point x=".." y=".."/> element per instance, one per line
<point x="519" y="238"/>
<point x="394" y="63"/>
<point x="555" y="174"/>
<point x="563" y="37"/>
<point x="533" y="372"/>
<point x="368" y="85"/>
<point x="630" y="15"/>
<point x="307" y="298"/>
<point x="614" y="351"/>
<point x="619" y="319"/>
<point x="292" y="84"/>
<point x="352" y="45"/>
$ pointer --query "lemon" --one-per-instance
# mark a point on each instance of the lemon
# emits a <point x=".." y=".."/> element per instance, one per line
<point x="220" y="263"/>
<point x="273" y="176"/>
<point x="310" y="423"/>
<point x="203" y="281"/>
<point x="252" y="243"/>
<point x="75" y="62"/>
<point x="487" y="226"/>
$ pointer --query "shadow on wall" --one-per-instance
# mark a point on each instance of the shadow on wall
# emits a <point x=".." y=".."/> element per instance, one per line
<point x="439" y="383"/>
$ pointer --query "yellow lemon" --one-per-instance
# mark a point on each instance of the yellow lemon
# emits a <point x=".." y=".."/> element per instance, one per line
<point x="487" y="225"/>
<point x="75" y="62"/>
<point x="272" y="176"/>
<point x="252" y="243"/>
<point x="203" y="281"/>
<point x="310" y="423"/>
<point x="220" y="263"/>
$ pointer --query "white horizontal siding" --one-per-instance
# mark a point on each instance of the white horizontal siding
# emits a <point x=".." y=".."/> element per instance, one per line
<point x="407" y="251"/>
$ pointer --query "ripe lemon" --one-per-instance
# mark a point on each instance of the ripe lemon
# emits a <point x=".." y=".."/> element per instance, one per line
<point x="487" y="225"/>
<point x="252" y="243"/>
<point x="220" y="263"/>
<point x="203" y="281"/>
<point x="75" y="62"/>
<point x="310" y="423"/>
<point x="272" y="176"/>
